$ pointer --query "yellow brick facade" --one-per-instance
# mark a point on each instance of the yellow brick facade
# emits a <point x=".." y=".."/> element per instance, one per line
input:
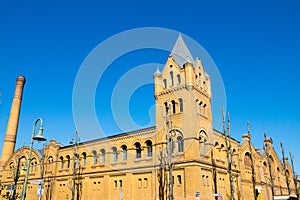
<point x="131" y="166"/>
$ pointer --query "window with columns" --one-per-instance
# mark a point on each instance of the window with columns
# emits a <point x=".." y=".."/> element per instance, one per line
<point x="180" y="104"/>
<point x="124" y="152"/>
<point x="115" y="154"/>
<point x="84" y="158"/>
<point x="102" y="156"/>
<point x="171" y="79"/>
<point x="62" y="162"/>
<point x="95" y="157"/>
<point x="149" y="148"/>
<point x="68" y="161"/>
<point x="138" y="150"/>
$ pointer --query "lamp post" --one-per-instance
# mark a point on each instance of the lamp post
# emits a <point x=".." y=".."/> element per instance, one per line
<point x="213" y="164"/>
<point x="38" y="137"/>
<point x="170" y="149"/>
<point x="170" y="134"/>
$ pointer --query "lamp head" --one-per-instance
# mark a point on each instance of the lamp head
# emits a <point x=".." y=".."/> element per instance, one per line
<point x="39" y="136"/>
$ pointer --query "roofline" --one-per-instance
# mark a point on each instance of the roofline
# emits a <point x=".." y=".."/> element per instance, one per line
<point x="112" y="136"/>
<point x="129" y="133"/>
<point x="223" y="135"/>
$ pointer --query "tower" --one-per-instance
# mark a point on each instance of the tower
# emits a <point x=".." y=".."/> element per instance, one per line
<point x="13" y="121"/>
<point x="183" y="95"/>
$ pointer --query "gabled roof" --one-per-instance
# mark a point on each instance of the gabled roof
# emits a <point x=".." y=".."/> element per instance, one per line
<point x="181" y="53"/>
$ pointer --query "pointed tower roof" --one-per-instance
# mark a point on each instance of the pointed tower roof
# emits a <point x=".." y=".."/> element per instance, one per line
<point x="181" y="53"/>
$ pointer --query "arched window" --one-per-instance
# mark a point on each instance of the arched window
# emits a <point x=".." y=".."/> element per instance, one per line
<point x="68" y="161"/>
<point x="84" y="158"/>
<point x="180" y="143"/>
<point x="180" y="105"/>
<point x="115" y="154"/>
<point x="166" y="108"/>
<point x="12" y="168"/>
<point x="202" y="142"/>
<point x="95" y="156"/>
<point x="23" y="162"/>
<point x="61" y="162"/>
<point x="50" y="161"/>
<point x="76" y="160"/>
<point x="272" y="164"/>
<point x="247" y="159"/>
<point x="173" y="107"/>
<point x="165" y="83"/>
<point x="11" y="165"/>
<point x="178" y="79"/>
<point x="102" y="156"/>
<point x="33" y="165"/>
<point x="179" y="181"/>
<point x="171" y="79"/>
<point x="149" y="148"/>
<point x="138" y="150"/>
<point x="265" y="168"/>
<point x="124" y="152"/>
<point x="204" y="109"/>
<point x="200" y="107"/>
<point x="287" y="173"/>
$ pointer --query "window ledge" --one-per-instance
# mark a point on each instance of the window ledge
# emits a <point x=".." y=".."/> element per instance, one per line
<point x="220" y="160"/>
<point x="97" y="165"/>
<point x="179" y="154"/>
<point x="204" y="156"/>
<point x="62" y="170"/>
<point x="149" y="158"/>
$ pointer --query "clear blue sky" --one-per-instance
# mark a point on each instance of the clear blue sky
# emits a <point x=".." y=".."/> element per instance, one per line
<point x="255" y="46"/>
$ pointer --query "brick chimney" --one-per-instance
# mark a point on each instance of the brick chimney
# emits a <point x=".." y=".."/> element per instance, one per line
<point x="13" y="121"/>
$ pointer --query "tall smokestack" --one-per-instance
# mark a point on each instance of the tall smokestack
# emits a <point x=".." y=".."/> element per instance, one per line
<point x="13" y="121"/>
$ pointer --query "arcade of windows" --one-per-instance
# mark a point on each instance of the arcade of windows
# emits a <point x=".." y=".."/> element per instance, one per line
<point x="64" y="162"/>
<point x="123" y="152"/>
<point x="174" y="106"/>
<point x="201" y="84"/>
<point x="201" y="107"/>
<point x="171" y="81"/>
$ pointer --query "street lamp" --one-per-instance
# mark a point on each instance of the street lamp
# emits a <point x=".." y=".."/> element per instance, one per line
<point x="170" y="148"/>
<point x="38" y="137"/>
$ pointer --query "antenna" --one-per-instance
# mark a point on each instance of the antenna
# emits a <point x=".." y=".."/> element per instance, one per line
<point x="248" y="127"/>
